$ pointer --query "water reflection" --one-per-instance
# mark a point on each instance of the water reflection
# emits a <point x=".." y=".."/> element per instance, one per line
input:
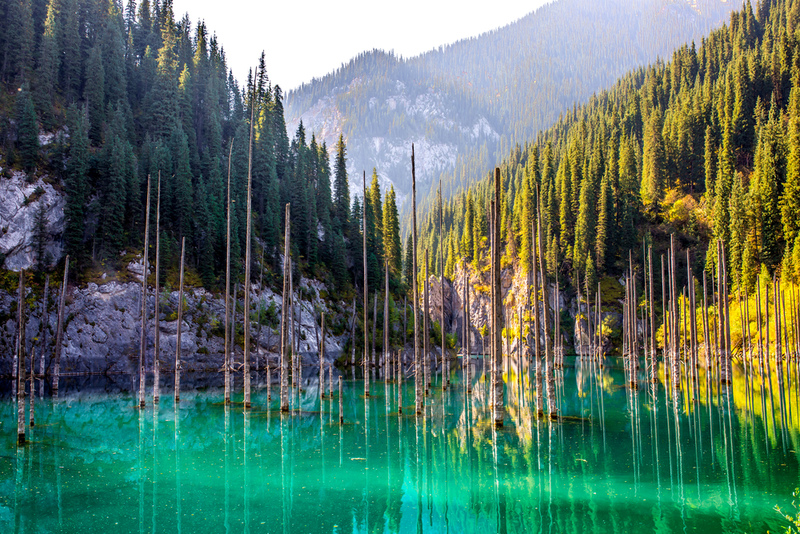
<point x="693" y="457"/>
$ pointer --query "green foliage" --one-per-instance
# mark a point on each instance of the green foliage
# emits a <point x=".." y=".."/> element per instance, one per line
<point x="793" y="518"/>
<point x="27" y="131"/>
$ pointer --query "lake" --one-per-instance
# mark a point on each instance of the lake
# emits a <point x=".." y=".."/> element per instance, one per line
<point x="621" y="460"/>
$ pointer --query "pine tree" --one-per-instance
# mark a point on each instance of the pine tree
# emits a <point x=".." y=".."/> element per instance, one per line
<point x="790" y="200"/>
<point x="391" y="234"/>
<point x="341" y="188"/>
<point x="94" y="95"/>
<point x="653" y="163"/>
<point x="768" y="175"/>
<point x="604" y="213"/>
<point x="467" y="246"/>
<point x="27" y="131"/>
<point x="75" y="183"/>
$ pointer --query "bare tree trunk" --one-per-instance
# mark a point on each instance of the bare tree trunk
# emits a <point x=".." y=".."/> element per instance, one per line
<point x="374" y="358"/>
<point x="652" y="317"/>
<point x="497" y="314"/>
<point x="249" y="216"/>
<point x="366" y="287"/>
<point x="467" y="360"/>
<point x="537" y="352"/>
<point x="145" y="267"/>
<point x="45" y="324"/>
<point x="260" y="306"/>
<point x="228" y="342"/>
<point x="426" y="336"/>
<point x="551" y="386"/>
<point x="322" y="359"/>
<point x="445" y="370"/>
<point x="727" y="373"/>
<point x="341" y="404"/>
<point x="180" y="326"/>
<point x="284" y="318"/>
<point x="60" y="327"/>
<point x="157" y="332"/>
<point x="292" y="332"/>
<point x="415" y="302"/>
<point x="20" y="361"/>
<point x="386" y="354"/>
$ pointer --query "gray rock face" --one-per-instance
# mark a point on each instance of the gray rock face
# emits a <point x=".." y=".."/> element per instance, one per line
<point x="103" y="328"/>
<point x="20" y="201"/>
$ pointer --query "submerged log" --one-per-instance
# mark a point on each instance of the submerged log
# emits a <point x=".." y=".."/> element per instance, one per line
<point x="60" y="328"/>
<point x="143" y="340"/>
<point x="180" y="325"/>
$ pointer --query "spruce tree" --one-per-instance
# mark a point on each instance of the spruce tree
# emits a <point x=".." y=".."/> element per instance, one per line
<point x="653" y="163"/>
<point x="27" y="131"/>
<point x="341" y="187"/>
<point x="75" y="182"/>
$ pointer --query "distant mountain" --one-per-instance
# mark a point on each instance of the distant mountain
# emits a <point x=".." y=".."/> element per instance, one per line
<point x="466" y="104"/>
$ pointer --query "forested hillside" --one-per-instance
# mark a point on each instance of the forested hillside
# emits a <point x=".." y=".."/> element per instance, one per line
<point x="131" y="93"/>
<point x="467" y="104"/>
<point x="706" y="146"/>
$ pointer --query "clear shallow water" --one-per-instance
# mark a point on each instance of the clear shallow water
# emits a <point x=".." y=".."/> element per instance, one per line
<point x="622" y="462"/>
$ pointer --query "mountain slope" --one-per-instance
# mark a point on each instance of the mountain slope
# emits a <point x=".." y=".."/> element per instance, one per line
<point x="466" y="104"/>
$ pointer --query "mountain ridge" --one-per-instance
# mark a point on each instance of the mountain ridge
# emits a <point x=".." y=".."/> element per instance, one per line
<point x="498" y="78"/>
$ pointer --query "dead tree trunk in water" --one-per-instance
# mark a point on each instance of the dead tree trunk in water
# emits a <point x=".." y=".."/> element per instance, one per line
<point x="417" y="371"/>
<point x="537" y="350"/>
<point x="497" y="313"/>
<point x="249" y="216"/>
<point x="60" y="327"/>
<point x="45" y="324"/>
<point x="322" y="359"/>
<point x="284" y="318"/>
<point x="157" y="332"/>
<point x="366" y="287"/>
<point x="426" y="359"/>
<point x="20" y="361"/>
<point x="180" y="325"/>
<point x="445" y="370"/>
<point x="228" y="343"/>
<point x="386" y="366"/>
<point x="143" y="340"/>
<point x="550" y="376"/>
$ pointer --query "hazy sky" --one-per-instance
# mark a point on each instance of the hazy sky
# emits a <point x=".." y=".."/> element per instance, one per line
<point x="306" y="39"/>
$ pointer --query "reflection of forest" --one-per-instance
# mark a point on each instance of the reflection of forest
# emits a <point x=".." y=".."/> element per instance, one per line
<point x="619" y="459"/>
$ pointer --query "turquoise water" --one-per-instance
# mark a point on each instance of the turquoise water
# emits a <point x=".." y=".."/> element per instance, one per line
<point x="622" y="461"/>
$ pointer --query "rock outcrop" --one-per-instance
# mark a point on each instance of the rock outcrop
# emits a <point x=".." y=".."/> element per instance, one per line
<point x="20" y="202"/>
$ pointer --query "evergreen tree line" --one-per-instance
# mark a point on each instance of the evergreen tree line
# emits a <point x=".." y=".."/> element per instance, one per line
<point x="132" y="93"/>
<point x="706" y="146"/>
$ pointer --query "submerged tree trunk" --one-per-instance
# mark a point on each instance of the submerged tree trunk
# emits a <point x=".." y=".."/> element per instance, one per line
<point x="322" y="359"/>
<point x="497" y="314"/>
<point x="157" y="331"/>
<point x="445" y="361"/>
<point x="415" y="299"/>
<point x="228" y="341"/>
<point x="249" y="216"/>
<point x="180" y="326"/>
<point x="60" y="328"/>
<point x="20" y="361"/>
<point x="537" y="349"/>
<point x="426" y="361"/>
<point x="284" y="318"/>
<point x="366" y="288"/>
<point x="143" y="340"/>
<point x="385" y="363"/>
<point x="550" y="377"/>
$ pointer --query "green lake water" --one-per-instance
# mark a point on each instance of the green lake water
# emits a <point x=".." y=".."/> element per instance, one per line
<point x="623" y="461"/>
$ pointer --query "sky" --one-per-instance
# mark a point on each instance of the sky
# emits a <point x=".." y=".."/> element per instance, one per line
<point x="306" y="39"/>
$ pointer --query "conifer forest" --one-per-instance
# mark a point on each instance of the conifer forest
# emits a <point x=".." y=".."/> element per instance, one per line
<point x="209" y="322"/>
